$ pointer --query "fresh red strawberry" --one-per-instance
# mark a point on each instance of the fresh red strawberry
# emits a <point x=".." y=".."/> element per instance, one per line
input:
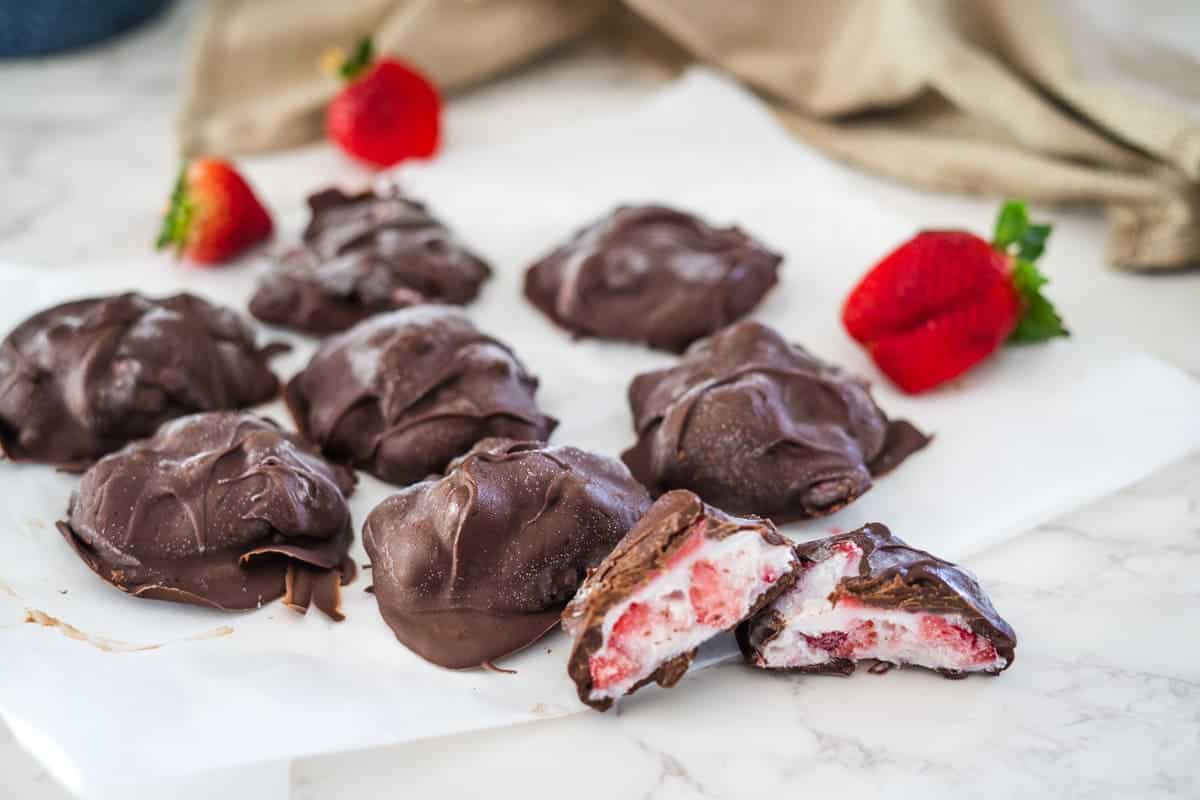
<point x="386" y="113"/>
<point x="946" y="300"/>
<point x="213" y="214"/>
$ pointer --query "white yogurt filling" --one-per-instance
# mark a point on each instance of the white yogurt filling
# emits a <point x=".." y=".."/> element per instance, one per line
<point x="743" y="562"/>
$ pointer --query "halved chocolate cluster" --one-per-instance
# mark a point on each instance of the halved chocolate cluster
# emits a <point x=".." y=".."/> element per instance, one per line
<point x="685" y="573"/>
<point x="866" y="595"/>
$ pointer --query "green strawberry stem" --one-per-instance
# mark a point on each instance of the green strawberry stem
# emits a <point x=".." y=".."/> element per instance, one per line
<point x="1024" y="242"/>
<point x="178" y="217"/>
<point x="359" y="60"/>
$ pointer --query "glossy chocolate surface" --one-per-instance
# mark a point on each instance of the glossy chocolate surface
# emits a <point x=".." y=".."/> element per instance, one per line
<point x="480" y="563"/>
<point x="756" y="425"/>
<point x="222" y="509"/>
<point x="402" y="394"/>
<point x="653" y="275"/>
<point x="364" y="254"/>
<point x="83" y="378"/>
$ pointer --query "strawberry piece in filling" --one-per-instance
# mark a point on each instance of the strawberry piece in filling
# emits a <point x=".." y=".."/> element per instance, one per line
<point x="818" y="629"/>
<point x="706" y="586"/>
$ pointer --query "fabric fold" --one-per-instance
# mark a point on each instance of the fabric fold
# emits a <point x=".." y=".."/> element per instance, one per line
<point x="1039" y="98"/>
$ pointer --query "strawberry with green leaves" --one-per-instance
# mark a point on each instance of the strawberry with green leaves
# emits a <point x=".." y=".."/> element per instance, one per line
<point x="945" y="300"/>
<point x="387" y="112"/>
<point x="213" y="214"/>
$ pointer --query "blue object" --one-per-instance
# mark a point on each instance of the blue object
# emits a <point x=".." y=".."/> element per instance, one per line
<point x="38" y="27"/>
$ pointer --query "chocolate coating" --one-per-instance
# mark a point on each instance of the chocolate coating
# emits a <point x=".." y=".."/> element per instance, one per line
<point x="644" y="553"/>
<point x="653" y="275"/>
<point x="220" y="509"/>
<point x="480" y="563"/>
<point x="893" y="575"/>
<point x="402" y="394"/>
<point x="83" y="378"/>
<point x="364" y="254"/>
<point x="755" y="425"/>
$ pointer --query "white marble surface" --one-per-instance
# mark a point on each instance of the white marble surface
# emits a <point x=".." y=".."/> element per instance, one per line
<point x="1104" y="699"/>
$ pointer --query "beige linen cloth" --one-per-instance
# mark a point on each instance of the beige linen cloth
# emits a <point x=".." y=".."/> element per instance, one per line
<point x="1003" y="97"/>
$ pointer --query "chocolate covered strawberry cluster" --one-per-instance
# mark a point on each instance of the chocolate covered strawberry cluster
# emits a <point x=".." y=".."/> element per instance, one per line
<point x="479" y="563"/>
<point x="363" y="254"/>
<point x="757" y="425"/>
<point x="866" y="595"/>
<point x="683" y="574"/>
<point x="221" y="509"/>
<point x="653" y="275"/>
<point x="84" y="378"/>
<point x="402" y="394"/>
